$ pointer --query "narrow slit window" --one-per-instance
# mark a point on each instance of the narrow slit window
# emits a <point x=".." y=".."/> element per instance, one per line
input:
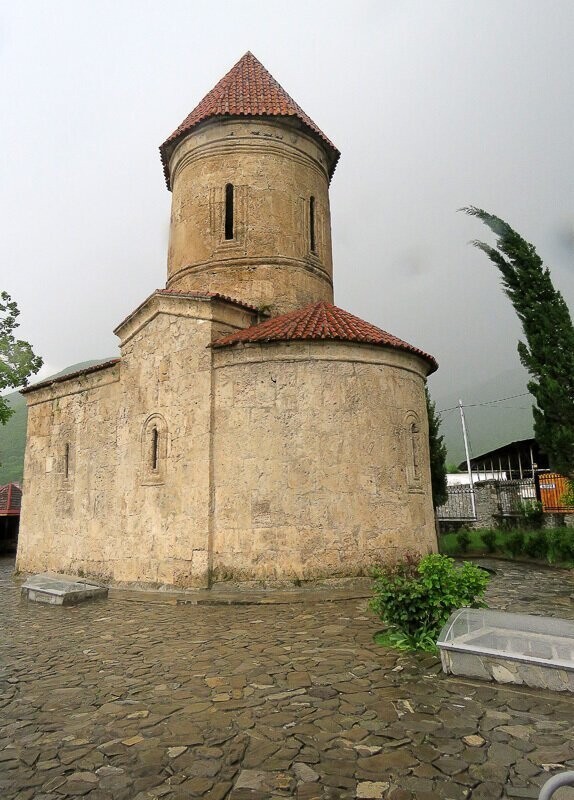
<point x="312" y="224"/>
<point x="154" y="448"/>
<point x="415" y="450"/>
<point x="67" y="461"/>
<point x="229" y="211"/>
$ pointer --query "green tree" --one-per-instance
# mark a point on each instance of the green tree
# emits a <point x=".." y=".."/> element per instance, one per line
<point x="17" y="360"/>
<point x="548" y="352"/>
<point x="437" y="450"/>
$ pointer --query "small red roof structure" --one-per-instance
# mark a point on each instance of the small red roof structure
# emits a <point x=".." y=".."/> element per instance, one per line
<point x="10" y="500"/>
<point x="320" y="321"/>
<point x="248" y="90"/>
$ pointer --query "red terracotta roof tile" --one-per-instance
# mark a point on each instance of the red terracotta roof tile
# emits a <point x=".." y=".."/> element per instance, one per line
<point x="10" y="500"/>
<point x="247" y="90"/>
<point x="320" y="321"/>
<point x="70" y="375"/>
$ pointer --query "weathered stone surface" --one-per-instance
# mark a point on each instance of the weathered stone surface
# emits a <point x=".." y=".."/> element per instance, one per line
<point x="398" y="759"/>
<point x="474" y="740"/>
<point x="304" y="773"/>
<point x="174" y="752"/>
<point x="114" y="449"/>
<point x="371" y="789"/>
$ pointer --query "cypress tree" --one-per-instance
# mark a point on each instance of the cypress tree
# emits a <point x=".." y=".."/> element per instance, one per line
<point x="437" y="450"/>
<point x="548" y="350"/>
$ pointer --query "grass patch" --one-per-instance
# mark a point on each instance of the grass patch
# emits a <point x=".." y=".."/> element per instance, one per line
<point x="400" y="641"/>
<point x="449" y="543"/>
<point x="553" y="545"/>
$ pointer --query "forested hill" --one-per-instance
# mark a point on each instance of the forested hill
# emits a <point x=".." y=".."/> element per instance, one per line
<point x="13" y="434"/>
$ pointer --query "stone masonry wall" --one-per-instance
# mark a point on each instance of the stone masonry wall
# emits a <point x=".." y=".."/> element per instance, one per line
<point x="116" y="517"/>
<point x="275" y="168"/>
<point x="62" y="515"/>
<point x="313" y="459"/>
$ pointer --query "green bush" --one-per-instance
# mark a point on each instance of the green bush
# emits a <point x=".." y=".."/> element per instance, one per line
<point x="567" y="498"/>
<point x="416" y="597"/>
<point x="489" y="540"/>
<point x="560" y="545"/>
<point x="514" y="544"/>
<point x="532" y="513"/>
<point x="463" y="540"/>
<point x="536" y="546"/>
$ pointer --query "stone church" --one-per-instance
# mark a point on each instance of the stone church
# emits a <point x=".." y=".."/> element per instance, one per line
<point x="250" y="428"/>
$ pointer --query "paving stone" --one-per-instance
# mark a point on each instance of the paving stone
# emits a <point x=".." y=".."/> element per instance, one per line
<point x="304" y="773"/>
<point x="198" y="785"/>
<point x="204" y="768"/>
<point x="371" y="789"/>
<point x="398" y="759"/>
<point x="487" y="791"/>
<point x="133" y="740"/>
<point x="503" y="754"/>
<point x="258" y="753"/>
<point x="449" y="765"/>
<point x="526" y="768"/>
<point x="365" y="750"/>
<point x="54" y="783"/>
<point x="219" y="791"/>
<point x="474" y="740"/>
<point x="107" y="770"/>
<point x="309" y="791"/>
<point x="521" y="792"/>
<point x="298" y="680"/>
<point x="174" y="752"/>
<point x="42" y="766"/>
<point x="400" y="794"/>
<point x="490" y="771"/>
<point x="323" y="692"/>
<point x="152" y="670"/>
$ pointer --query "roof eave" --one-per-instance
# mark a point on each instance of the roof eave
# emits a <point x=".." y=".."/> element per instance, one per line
<point x="428" y="359"/>
<point x="167" y="148"/>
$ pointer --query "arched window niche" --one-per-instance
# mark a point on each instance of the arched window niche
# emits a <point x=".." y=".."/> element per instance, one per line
<point x="154" y="448"/>
<point x="413" y="451"/>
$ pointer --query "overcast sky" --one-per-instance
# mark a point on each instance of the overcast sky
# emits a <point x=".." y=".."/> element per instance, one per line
<point x="435" y="104"/>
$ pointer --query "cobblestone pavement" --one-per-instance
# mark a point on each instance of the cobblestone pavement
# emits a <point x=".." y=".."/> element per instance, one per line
<point x="124" y="700"/>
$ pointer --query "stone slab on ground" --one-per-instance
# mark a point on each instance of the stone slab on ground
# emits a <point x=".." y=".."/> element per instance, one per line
<point x="60" y="590"/>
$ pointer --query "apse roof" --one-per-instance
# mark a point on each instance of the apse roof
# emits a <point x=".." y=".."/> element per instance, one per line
<point x="248" y="90"/>
<point x="320" y="321"/>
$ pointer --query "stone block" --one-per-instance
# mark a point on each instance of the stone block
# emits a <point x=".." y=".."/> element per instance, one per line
<point x="60" y="591"/>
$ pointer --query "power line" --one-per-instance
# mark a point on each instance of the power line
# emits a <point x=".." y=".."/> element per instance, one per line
<point x="489" y="402"/>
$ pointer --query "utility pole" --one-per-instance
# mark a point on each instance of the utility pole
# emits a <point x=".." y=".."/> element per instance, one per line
<point x="467" y="459"/>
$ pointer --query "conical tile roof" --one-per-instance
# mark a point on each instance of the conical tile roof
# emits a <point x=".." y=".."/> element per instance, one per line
<point x="320" y="321"/>
<point x="248" y="90"/>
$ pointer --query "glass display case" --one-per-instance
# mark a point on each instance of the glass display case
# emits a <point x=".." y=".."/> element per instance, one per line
<point x="509" y="648"/>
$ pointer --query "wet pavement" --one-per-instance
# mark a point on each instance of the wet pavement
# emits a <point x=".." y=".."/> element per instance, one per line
<point x="128" y="699"/>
